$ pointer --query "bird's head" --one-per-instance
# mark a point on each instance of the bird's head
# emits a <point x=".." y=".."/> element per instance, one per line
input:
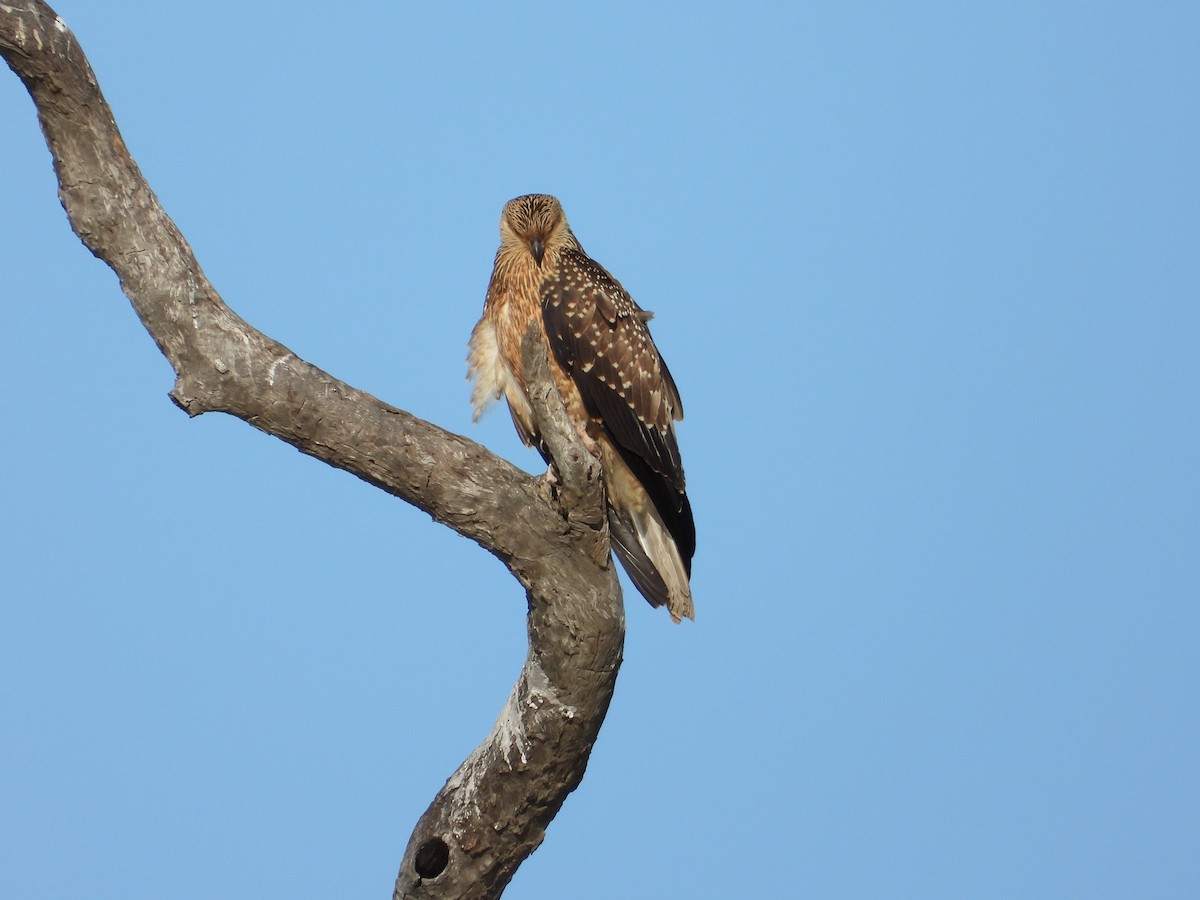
<point x="535" y="224"/>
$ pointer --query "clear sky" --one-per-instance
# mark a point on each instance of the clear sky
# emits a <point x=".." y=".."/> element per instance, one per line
<point x="928" y="277"/>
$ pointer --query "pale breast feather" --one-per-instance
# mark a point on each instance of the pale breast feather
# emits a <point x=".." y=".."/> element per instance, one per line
<point x="487" y="368"/>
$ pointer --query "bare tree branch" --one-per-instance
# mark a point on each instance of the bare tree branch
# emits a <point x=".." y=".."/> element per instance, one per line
<point x="575" y="645"/>
<point x="493" y="812"/>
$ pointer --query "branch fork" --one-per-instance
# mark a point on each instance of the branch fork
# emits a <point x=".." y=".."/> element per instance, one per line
<point x="493" y="812"/>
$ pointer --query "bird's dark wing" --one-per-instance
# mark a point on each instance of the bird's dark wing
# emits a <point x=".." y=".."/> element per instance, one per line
<point x="598" y="334"/>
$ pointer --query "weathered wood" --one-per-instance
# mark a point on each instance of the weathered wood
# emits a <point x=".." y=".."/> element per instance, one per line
<point x="513" y="784"/>
<point x="493" y="812"/>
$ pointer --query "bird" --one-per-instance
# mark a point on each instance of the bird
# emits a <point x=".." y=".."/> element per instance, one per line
<point x="614" y="383"/>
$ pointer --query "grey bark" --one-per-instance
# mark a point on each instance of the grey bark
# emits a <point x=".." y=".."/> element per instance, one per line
<point x="493" y="812"/>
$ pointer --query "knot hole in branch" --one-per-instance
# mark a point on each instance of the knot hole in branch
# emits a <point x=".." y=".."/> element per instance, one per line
<point x="432" y="858"/>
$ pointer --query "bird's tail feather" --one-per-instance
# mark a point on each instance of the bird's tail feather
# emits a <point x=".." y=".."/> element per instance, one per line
<point x="637" y="564"/>
<point x="652" y="562"/>
<point x="643" y="541"/>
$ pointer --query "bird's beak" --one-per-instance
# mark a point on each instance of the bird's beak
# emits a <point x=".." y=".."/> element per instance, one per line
<point x="538" y="249"/>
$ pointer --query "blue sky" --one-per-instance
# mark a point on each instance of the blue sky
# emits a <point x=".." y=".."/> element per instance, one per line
<point x="927" y="276"/>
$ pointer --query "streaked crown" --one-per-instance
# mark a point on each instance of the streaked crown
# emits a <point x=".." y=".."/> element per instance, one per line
<point x="536" y="222"/>
<point x="533" y="215"/>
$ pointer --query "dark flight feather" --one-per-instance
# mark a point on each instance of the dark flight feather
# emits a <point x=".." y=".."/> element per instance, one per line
<point x="598" y="334"/>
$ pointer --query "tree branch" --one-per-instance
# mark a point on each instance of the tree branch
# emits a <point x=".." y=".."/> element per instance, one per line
<point x="494" y="810"/>
<point x="576" y="633"/>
